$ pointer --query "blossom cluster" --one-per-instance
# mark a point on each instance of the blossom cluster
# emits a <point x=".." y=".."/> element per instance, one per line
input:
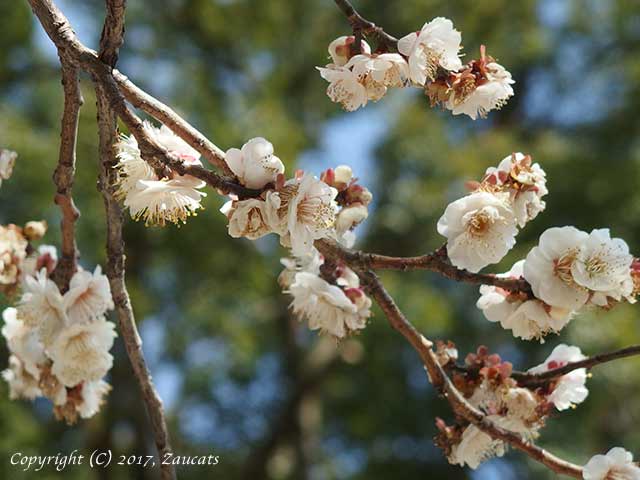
<point x="429" y="59"/>
<point x="300" y="211"/>
<point x="157" y="200"/>
<point x="59" y="343"/>
<point x="568" y="271"/>
<point x="487" y="384"/>
<point x="16" y="259"/>
<point x="7" y="162"/>
<point x="481" y="227"/>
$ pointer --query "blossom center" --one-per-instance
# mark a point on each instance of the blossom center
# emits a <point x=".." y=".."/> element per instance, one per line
<point x="562" y="267"/>
<point x="479" y="223"/>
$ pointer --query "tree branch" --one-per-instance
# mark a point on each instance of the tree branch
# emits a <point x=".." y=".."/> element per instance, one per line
<point x="434" y="262"/>
<point x="112" y="36"/>
<point x="531" y="379"/>
<point x="161" y="112"/>
<point x="64" y="175"/>
<point x="443" y="384"/>
<point x="59" y="30"/>
<point x="359" y="24"/>
<point x="108" y="136"/>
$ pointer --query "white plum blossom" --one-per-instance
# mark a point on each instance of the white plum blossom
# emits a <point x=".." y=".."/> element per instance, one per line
<point x="491" y="94"/>
<point x="80" y="353"/>
<point x="480" y="229"/>
<point x="436" y="45"/>
<point x="13" y="251"/>
<point x="568" y="389"/>
<point x="350" y="217"/>
<point x="379" y="72"/>
<point x="343" y="174"/>
<point x="340" y="49"/>
<point x="254" y="164"/>
<point x="327" y="307"/>
<point x="88" y="297"/>
<point x="526" y="318"/>
<point x="45" y="257"/>
<point x="21" y="383"/>
<point x="161" y="201"/>
<point x="476" y="446"/>
<point x="549" y="266"/>
<point x="93" y="394"/>
<point x="617" y="464"/>
<point x="42" y="307"/>
<point x="158" y="200"/>
<point x="344" y="87"/>
<point x="307" y="209"/>
<point x="603" y="265"/>
<point x="23" y="342"/>
<point x="525" y="182"/>
<point x="248" y="218"/>
<point x="7" y="162"/>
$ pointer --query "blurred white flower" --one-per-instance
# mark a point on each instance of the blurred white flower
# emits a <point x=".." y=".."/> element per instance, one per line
<point x="480" y="229"/>
<point x="93" y="394"/>
<point x="617" y="464"/>
<point x="255" y="165"/>
<point x="89" y="296"/>
<point x="343" y="174"/>
<point x="7" y="162"/>
<point x="603" y="265"/>
<point x="23" y="342"/>
<point x="568" y="389"/>
<point x="45" y="257"/>
<point x="13" y="251"/>
<point x="436" y="45"/>
<point x="476" y="446"/>
<point x="42" y="307"/>
<point x="21" y="383"/>
<point x="549" y="266"/>
<point x="148" y="197"/>
<point x="340" y="49"/>
<point x="80" y="353"/>
<point x="344" y="87"/>
<point x="327" y="307"/>
<point x="491" y="93"/>
<point x="350" y="217"/>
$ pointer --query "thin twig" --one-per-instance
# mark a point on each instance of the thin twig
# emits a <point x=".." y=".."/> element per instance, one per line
<point x="529" y="379"/>
<point x="359" y="24"/>
<point x="60" y="32"/>
<point x="112" y="35"/>
<point x="64" y="175"/>
<point x="108" y="136"/>
<point x="434" y="262"/>
<point x="161" y="112"/>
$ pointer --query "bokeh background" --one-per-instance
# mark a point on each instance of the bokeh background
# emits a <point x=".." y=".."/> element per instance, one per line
<point x="239" y="377"/>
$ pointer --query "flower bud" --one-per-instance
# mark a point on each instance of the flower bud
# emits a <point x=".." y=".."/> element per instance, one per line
<point x="7" y="161"/>
<point x="35" y="230"/>
<point x="358" y="194"/>
<point x="350" y="217"/>
<point x="340" y="49"/>
<point x="255" y="165"/>
<point x="343" y="174"/>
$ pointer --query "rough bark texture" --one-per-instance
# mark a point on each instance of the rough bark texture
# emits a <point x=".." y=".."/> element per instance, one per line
<point x="64" y="175"/>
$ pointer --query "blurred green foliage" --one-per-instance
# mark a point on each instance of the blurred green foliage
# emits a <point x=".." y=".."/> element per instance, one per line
<point x="221" y="345"/>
